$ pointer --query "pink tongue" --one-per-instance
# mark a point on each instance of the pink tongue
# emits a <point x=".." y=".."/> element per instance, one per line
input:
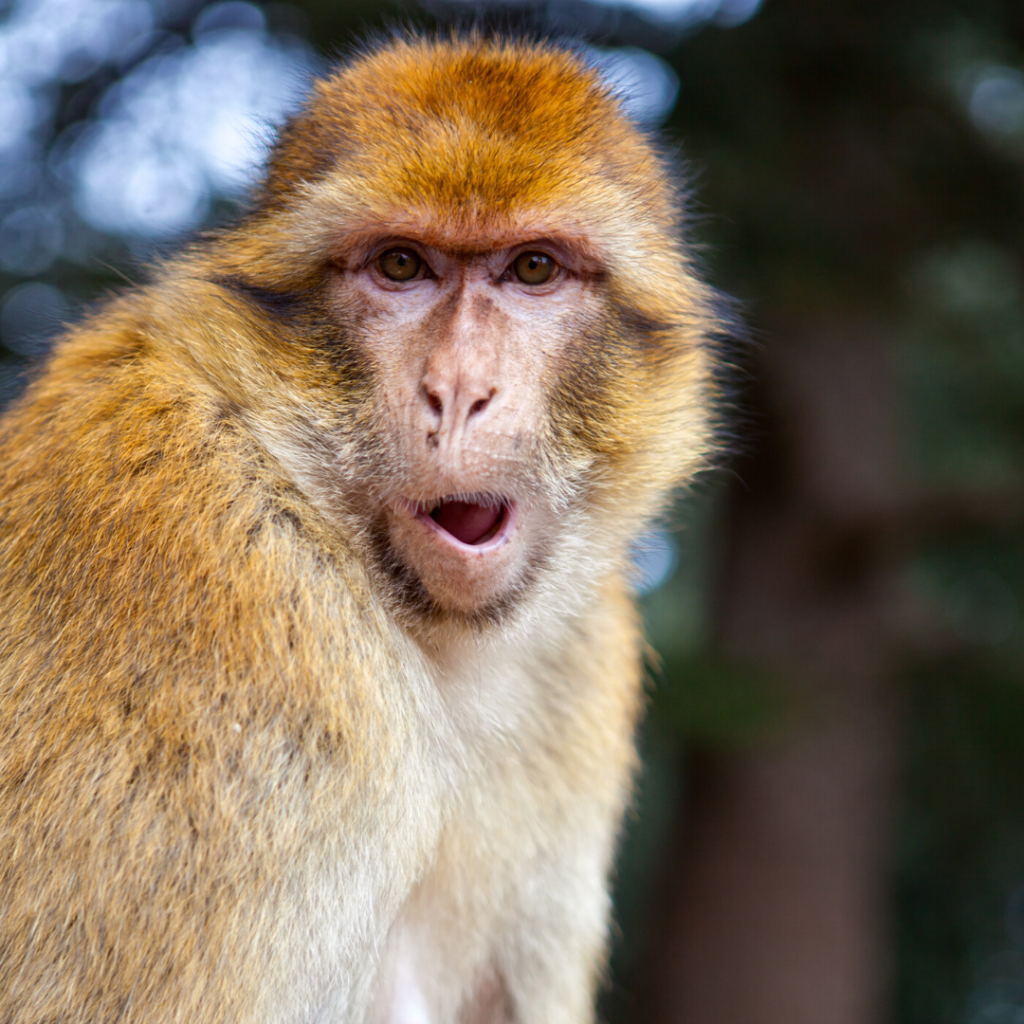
<point x="466" y="522"/>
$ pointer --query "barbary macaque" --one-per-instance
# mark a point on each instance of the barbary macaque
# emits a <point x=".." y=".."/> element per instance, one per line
<point x="319" y="660"/>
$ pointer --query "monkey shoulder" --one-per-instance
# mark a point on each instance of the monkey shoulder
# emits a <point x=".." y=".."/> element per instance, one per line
<point x="190" y="666"/>
<point x="159" y="578"/>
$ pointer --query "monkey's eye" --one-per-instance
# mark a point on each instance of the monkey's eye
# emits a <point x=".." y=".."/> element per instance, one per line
<point x="533" y="267"/>
<point x="399" y="264"/>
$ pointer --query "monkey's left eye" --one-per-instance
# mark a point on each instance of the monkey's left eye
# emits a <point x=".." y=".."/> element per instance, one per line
<point x="533" y="267"/>
<point x="400" y="264"/>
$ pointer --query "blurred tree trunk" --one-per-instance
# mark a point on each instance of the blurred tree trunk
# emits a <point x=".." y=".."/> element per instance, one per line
<point x="777" y="912"/>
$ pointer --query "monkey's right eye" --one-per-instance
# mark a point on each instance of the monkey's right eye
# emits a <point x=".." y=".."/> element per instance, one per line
<point x="399" y="264"/>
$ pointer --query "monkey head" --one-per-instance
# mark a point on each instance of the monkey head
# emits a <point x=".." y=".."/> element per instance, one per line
<point x="489" y="339"/>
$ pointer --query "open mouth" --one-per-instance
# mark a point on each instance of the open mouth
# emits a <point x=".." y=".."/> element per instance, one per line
<point x="471" y="519"/>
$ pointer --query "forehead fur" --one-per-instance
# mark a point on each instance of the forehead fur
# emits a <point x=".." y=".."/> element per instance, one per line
<point x="470" y="128"/>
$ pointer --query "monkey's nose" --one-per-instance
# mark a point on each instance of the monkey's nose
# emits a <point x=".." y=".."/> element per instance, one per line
<point x="454" y="406"/>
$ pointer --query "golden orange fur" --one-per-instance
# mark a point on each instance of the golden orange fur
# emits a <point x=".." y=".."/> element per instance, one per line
<point x="250" y="771"/>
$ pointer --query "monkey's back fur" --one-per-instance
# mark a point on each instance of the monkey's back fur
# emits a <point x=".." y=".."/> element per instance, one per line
<point x="243" y="777"/>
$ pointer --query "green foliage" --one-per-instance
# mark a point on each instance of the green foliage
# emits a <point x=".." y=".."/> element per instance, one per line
<point x="854" y="172"/>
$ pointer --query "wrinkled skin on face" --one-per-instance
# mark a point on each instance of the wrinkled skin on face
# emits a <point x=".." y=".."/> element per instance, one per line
<point x="464" y="352"/>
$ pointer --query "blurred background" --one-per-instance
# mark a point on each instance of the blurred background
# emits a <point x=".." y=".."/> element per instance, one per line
<point x="829" y="826"/>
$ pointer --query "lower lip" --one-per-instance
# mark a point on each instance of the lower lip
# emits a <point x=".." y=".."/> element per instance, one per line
<point x="500" y="537"/>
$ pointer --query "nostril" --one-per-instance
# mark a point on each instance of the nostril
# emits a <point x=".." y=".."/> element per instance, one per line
<point x="481" y="403"/>
<point x="434" y="401"/>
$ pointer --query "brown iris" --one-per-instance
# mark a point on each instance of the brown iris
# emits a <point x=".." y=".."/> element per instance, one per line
<point x="400" y="264"/>
<point x="533" y="267"/>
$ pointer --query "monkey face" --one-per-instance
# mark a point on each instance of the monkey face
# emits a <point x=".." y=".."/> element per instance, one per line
<point x="487" y="337"/>
<point x="466" y="346"/>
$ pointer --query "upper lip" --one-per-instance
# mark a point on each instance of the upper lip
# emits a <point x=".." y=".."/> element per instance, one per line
<point x="429" y="505"/>
<point x="471" y="514"/>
